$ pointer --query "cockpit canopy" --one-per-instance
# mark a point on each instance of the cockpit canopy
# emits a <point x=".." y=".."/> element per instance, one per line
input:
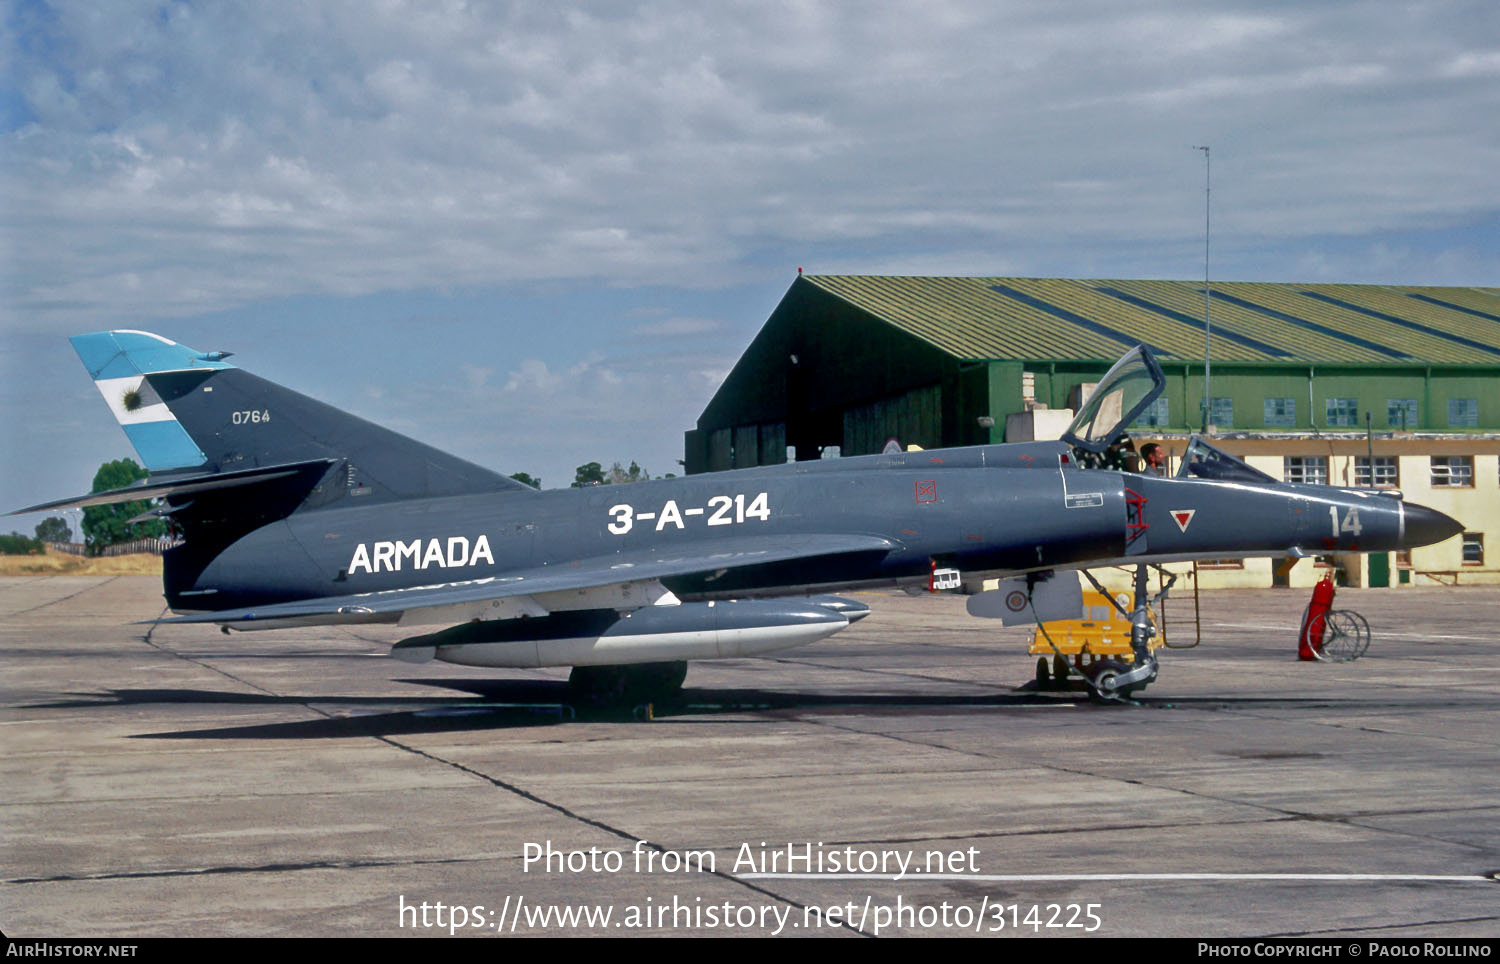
<point x="1205" y="461"/>
<point x="1125" y="391"/>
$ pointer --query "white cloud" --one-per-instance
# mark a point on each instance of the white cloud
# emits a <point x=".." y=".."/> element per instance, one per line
<point x="164" y="162"/>
<point x="475" y="376"/>
<point x="1470" y="64"/>
<point x="533" y="376"/>
<point x="547" y="419"/>
<point x="181" y="159"/>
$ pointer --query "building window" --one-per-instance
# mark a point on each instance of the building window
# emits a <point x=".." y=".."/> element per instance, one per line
<point x="1473" y="548"/>
<point x="1221" y="412"/>
<point x="1385" y="471"/>
<point x="1306" y="468"/>
<point x="1342" y="412"/>
<point x="1452" y="471"/>
<point x="1155" y="415"/>
<point x="1401" y="413"/>
<point x="1281" y="412"/>
<point x="1403" y="558"/>
<point x="1463" y="413"/>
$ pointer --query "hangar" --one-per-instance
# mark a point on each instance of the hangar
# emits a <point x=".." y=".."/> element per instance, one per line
<point x="1385" y="385"/>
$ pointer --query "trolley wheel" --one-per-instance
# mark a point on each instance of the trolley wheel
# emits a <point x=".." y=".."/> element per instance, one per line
<point x="1346" y="636"/>
<point x="1060" y="670"/>
<point x="1043" y="678"/>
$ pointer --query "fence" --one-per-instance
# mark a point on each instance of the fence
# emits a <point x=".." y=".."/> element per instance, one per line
<point x="154" y="546"/>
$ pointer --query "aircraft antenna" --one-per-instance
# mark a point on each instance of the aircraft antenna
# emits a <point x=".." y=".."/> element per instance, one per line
<point x="1208" y="330"/>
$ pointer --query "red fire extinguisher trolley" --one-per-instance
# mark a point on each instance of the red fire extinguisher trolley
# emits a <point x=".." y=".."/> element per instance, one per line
<point x="1314" y="621"/>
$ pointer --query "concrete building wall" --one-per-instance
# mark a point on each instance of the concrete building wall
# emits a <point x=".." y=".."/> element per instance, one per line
<point x="1476" y="505"/>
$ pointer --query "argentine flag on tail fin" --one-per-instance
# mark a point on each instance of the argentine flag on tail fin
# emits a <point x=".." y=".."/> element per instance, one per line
<point x="118" y="362"/>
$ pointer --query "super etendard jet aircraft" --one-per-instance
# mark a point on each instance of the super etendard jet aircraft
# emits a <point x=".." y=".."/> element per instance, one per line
<point x="293" y="513"/>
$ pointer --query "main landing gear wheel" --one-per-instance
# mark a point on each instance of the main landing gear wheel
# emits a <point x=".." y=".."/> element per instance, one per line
<point x="1346" y="636"/>
<point x="602" y="686"/>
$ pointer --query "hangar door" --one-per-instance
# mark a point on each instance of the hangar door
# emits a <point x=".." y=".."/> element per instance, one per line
<point x="912" y="418"/>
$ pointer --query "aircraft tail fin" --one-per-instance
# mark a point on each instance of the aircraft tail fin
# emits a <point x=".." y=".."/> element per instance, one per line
<point x="191" y="413"/>
<point x="119" y="363"/>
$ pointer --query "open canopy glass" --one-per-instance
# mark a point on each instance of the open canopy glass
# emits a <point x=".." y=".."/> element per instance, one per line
<point x="1124" y="392"/>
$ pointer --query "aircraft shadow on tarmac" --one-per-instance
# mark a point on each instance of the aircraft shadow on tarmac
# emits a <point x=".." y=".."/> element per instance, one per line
<point x="496" y="704"/>
<point x="499" y="704"/>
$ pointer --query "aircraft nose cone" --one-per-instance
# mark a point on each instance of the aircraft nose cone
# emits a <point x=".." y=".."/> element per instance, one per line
<point x="1425" y="526"/>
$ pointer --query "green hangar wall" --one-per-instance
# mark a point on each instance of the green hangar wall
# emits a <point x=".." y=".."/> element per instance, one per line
<point x="849" y="362"/>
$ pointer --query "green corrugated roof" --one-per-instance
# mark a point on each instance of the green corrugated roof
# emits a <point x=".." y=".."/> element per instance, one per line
<point x="1060" y="318"/>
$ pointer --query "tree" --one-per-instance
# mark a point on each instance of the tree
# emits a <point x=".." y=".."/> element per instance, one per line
<point x="106" y="525"/>
<point x="589" y="474"/>
<point x="526" y="479"/>
<point x="16" y="544"/>
<point x="619" y="476"/>
<point x="54" y="529"/>
<point x="595" y="474"/>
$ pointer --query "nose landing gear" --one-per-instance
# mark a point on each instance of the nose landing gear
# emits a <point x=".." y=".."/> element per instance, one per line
<point x="1120" y="674"/>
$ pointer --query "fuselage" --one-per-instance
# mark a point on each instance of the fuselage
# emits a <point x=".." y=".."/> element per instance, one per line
<point x="981" y="509"/>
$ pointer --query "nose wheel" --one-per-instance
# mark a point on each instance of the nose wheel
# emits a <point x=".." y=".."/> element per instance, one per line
<point x="1113" y="681"/>
<point x="1107" y="680"/>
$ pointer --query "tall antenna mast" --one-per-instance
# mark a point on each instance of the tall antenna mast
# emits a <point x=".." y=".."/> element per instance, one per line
<point x="1208" y="328"/>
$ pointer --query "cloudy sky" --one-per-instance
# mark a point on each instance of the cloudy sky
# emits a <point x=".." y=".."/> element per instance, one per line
<point x="538" y="234"/>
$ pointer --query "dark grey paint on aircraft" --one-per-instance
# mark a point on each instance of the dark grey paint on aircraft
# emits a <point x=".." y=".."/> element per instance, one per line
<point x="304" y="513"/>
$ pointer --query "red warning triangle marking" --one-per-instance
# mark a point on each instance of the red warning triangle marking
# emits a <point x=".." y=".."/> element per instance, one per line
<point x="1182" y="517"/>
